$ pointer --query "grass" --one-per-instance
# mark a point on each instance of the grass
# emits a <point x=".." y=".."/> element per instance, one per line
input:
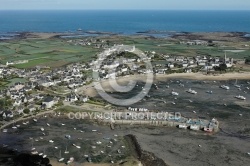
<point x="33" y="63"/>
<point x="68" y="109"/>
<point x="46" y="52"/>
<point x="14" y="80"/>
<point x="58" y="52"/>
<point x="96" y="102"/>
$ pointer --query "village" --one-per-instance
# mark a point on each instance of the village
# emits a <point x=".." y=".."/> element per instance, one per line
<point x="39" y="90"/>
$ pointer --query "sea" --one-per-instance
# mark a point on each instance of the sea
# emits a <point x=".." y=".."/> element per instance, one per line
<point x="122" y="21"/>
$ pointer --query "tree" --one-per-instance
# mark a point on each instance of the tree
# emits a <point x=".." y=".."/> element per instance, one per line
<point x="223" y="67"/>
<point x="247" y="61"/>
<point x="26" y="111"/>
<point x="40" y="88"/>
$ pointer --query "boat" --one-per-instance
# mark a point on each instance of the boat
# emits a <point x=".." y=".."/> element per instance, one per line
<point x="66" y="150"/>
<point x="236" y="85"/>
<point x="48" y="124"/>
<point x="14" y="127"/>
<point x="194" y="127"/>
<point x="182" y="126"/>
<point x="78" y="147"/>
<point x="174" y="93"/>
<point x="67" y="136"/>
<point x="181" y="85"/>
<point x="35" y="120"/>
<point x="225" y="87"/>
<point x="98" y="142"/>
<point x="42" y="129"/>
<point x="60" y="157"/>
<point x="51" y="141"/>
<point x="34" y="152"/>
<point x="32" y="148"/>
<point x="25" y="123"/>
<point x="71" y="159"/>
<point x="209" y="91"/>
<point x="43" y="154"/>
<point x="5" y="146"/>
<point x="5" y="130"/>
<point x="240" y="97"/>
<point x="208" y="129"/>
<point x="191" y="91"/>
<point x="119" y="151"/>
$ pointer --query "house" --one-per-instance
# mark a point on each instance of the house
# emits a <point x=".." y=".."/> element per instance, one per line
<point x="19" y="109"/>
<point x="71" y="98"/>
<point x="17" y="102"/>
<point x="31" y="108"/>
<point x="48" y="102"/>
<point x="29" y="99"/>
<point x="170" y="65"/>
<point x="179" y="59"/>
<point x="184" y="65"/>
<point x="7" y="114"/>
<point x="40" y="96"/>
<point x="84" y="98"/>
<point x="161" y="71"/>
<point x="188" y="70"/>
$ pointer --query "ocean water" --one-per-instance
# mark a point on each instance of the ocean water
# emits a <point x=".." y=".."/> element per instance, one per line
<point x="124" y="22"/>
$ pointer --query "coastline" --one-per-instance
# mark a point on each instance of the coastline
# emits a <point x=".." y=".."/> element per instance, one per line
<point x="157" y="34"/>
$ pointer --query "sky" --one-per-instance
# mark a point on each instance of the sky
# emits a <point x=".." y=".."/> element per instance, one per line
<point x="125" y="4"/>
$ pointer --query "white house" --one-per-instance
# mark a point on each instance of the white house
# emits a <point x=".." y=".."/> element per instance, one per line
<point x="17" y="102"/>
<point x="49" y="102"/>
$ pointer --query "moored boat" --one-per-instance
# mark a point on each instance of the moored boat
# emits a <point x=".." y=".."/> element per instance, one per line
<point x="191" y="91"/>
<point x="240" y="97"/>
<point x="225" y="87"/>
<point x="182" y="126"/>
<point x="194" y="127"/>
<point x="208" y="129"/>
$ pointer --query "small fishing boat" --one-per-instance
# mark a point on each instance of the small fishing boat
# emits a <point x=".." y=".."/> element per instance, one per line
<point x="240" y="97"/>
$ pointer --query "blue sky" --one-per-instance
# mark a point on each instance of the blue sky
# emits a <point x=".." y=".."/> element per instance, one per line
<point x="127" y="4"/>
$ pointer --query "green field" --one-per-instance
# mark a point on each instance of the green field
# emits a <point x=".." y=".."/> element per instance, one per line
<point x="46" y="52"/>
<point x="58" y="52"/>
<point x="165" y="46"/>
<point x="11" y="82"/>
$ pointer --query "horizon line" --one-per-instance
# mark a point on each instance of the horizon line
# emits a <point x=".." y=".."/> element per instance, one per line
<point x="125" y="9"/>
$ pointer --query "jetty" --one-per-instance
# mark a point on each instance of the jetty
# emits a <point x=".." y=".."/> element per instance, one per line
<point x="148" y="119"/>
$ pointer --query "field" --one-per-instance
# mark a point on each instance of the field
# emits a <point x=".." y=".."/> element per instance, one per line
<point x="172" y="47"/>
<point x="11" y="82"/>
<point x="45" y="52"/>
<point x="56" y="52"/>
